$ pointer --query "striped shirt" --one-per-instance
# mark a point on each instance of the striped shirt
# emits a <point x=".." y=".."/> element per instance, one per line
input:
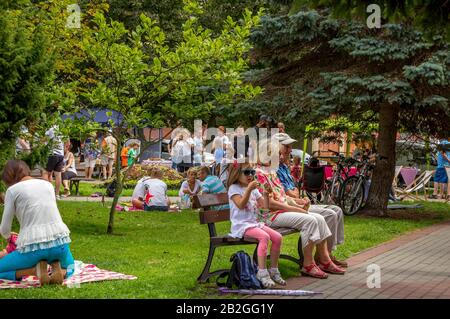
<point x="213" y="185"/>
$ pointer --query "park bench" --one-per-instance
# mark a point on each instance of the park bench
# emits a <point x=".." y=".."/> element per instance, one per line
<point x="205" y="203"/>
<point x="81" y="177"/>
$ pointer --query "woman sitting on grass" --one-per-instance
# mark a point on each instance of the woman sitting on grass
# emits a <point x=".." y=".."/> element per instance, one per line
<point x="43" y="237"/>
<point x="244" y="199"/>
<point x="190" y="187"/>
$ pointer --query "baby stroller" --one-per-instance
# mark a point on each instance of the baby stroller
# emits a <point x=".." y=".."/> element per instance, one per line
<point x="313" y="180"/>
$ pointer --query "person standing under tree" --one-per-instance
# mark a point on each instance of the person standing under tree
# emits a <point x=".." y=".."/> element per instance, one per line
<point x="440" y="178"/>
<point x="55" y="162"/>
<point x="109" y="150"/>
<point x="133" y="153"/>
<point x="69" y="170"/>
<point x="91" y="151"/>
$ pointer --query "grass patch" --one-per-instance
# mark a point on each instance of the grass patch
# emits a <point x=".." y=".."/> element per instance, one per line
<point x="88" y="188"/>
<point x="167" y="251"/>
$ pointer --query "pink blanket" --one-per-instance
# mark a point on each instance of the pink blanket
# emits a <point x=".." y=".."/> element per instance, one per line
<point x="83" y="273"/>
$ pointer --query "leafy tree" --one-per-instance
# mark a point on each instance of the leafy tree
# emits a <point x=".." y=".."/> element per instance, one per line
<point x="152" y="85"/>
<point x="170" y="15"/>
<point x="394" y="76"/>
<point x="26" y="69"/>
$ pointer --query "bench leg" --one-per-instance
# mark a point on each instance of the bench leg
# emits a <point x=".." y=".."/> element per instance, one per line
<point x="255" y="254"/>
<point x="300" y="251"/>
<point x="204" y="276"/>
<point x="77" y="185"/>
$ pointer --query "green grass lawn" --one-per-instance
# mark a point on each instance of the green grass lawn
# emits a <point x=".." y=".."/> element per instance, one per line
<point x="167" y="251"/>
<point x="87" y="189"/>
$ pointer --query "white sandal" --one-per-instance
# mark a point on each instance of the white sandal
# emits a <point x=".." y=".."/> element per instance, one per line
<point x="264" y="277"/>
<point x="276" y="276"/>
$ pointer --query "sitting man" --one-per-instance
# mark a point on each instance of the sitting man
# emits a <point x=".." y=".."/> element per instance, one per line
<point x="137" y="199"/>
<point x="211" y="184"/>
<point x="333" y="214"/>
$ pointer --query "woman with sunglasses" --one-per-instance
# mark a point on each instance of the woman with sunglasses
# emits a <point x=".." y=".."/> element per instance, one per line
<point x="244" y="199"/>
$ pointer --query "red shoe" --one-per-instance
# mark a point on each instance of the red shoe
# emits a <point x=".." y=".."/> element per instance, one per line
<point x="331" y="268"/>
<point x="313" y="271"/>
<point x="339" y="263"/>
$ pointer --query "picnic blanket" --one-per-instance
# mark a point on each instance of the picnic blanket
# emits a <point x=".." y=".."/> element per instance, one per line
<point x="278" y="292"/>
<point x="83" y="273"/>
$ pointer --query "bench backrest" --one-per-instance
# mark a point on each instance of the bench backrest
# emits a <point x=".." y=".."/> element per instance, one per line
<point x="207" y="201"/>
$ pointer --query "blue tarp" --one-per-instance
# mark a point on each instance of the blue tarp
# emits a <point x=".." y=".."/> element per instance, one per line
<point x="100" y="116"/>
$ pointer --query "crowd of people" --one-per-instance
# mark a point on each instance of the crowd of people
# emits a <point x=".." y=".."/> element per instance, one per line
<point x="261" y="198"/>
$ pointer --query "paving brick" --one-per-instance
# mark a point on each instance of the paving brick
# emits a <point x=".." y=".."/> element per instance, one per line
<point x="412" y="266"/>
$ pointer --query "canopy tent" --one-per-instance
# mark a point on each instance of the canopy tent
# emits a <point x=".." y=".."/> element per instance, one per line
<point x="99" y="116"/>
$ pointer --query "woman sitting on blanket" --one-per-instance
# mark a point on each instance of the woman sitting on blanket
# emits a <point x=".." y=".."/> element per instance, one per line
<point x="43" y="237"/>
<point x="190" y="187"/>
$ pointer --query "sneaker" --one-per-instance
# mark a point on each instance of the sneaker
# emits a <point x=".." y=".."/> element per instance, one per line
<point x="264" y="277"/>
<point x="58" y="197"/>
<point x="276" y="276"/>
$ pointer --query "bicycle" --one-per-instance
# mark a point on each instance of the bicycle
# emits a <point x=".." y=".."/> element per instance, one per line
<point x="333" y="186"/>
<point x="354" y="188"/>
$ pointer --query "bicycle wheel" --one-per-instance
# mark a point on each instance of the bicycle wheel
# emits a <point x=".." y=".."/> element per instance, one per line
<point x="332" y="193"/>
<point x="352" y="195"/>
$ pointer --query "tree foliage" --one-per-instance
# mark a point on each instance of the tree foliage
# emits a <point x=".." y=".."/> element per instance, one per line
<point x="26" y="69"/>
<point x="323" y="67"/>
<point x="430" y="16"/>
<point x="152" y="84"/>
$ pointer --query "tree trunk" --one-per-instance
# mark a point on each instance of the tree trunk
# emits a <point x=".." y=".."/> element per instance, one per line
<point x="119" y="187"/>
<point x="384" y="171"/>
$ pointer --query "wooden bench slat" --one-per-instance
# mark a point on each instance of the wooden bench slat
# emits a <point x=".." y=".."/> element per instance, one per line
<point x="214" y="216"/>
<point x="208" y="200"/>
<point x="84" y="179"/>
<point x="229" y="239"/>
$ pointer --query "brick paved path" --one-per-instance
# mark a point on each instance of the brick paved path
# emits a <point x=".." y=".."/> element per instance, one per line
<point x="416" y="265"/>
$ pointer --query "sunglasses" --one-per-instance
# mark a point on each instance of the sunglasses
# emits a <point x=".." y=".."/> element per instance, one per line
<point x="249" y="171"/>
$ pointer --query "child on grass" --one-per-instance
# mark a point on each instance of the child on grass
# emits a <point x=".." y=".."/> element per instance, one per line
<point x="244" y="199"/>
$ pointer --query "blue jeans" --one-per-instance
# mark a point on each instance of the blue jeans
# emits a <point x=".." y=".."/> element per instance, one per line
<point x="156" y="208"/>
<point x="18" y="261"/>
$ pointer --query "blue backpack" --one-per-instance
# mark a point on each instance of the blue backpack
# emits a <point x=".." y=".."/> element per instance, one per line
<point x="242" y="273"/>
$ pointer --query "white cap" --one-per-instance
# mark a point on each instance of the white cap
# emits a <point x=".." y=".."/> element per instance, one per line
<point x="284" y="138"/>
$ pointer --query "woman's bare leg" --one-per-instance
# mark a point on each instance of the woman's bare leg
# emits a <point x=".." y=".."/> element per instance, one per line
<point x="25" y="272"/>
<point x="308" y="254"/>
<point x="322" y="251"/>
